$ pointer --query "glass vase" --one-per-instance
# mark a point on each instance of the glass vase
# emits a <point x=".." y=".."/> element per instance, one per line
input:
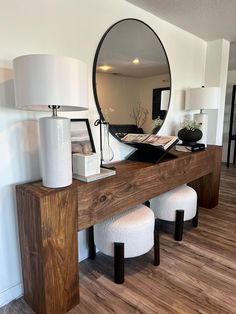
<point x="107" y="152"/>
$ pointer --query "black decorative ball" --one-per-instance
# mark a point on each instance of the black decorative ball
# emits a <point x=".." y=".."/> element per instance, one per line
<point x="189" y="137"/>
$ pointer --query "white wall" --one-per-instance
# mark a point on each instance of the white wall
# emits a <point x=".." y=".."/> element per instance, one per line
<point x="216" y="75"/>
<point x="122" y="94"/>
<point x="118" y="93"/>
<point x="146" y="86"/>
<point x="71" y="28"/>
<point x="231" y="80"/>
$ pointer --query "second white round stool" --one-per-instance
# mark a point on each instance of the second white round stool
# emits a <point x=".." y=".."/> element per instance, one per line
<point x="179" y="205"/>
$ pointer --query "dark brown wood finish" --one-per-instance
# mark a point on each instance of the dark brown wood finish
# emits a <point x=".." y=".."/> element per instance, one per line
<point x="207" y="187"/>
<point x="50" y="218"/>
<point x="137" y="182"/>
<point x="48" y="238"/>
<point x="197" y="275"/>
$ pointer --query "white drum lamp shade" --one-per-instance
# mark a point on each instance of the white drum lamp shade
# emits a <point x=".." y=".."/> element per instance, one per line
<point x="202" y="98"/>
<point x="46" y="82"/>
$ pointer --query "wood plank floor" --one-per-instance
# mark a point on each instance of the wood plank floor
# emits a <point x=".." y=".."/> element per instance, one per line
<point x="197" y="275"/>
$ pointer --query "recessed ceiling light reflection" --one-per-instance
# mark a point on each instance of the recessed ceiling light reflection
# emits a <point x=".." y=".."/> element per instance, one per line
<point x="105" y="67"/>
<point x="136" y="61"/>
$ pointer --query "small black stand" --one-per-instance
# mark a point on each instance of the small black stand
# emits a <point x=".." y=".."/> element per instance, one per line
<point x="99" y="123"/>
<point x="150" y="153"/>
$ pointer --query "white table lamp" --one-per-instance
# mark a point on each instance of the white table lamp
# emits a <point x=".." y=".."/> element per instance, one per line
<point x="49" y="83"/>
<point x="202" y="98"/>
<point x="165" y="99"/>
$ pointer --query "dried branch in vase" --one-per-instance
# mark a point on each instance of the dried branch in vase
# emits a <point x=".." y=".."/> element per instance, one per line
<point x="139" y="114"/>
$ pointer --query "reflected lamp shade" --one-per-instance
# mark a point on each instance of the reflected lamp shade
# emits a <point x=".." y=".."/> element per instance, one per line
<point x="202" y="98"/>
<point x="48" y="83"/>
<point x="165" y="99"/>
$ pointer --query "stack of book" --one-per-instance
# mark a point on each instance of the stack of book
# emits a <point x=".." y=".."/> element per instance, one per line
<point x="190" y="148"/>
<point x="164" y="142"/>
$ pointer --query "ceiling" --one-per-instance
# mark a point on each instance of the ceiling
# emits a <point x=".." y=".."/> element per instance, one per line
<point x="207" y="19"/>
<point x="128" y="40"/>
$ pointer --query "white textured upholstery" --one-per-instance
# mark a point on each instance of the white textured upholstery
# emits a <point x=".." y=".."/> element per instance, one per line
<point x="135" y="228"/>
<point x="166" y="204"/>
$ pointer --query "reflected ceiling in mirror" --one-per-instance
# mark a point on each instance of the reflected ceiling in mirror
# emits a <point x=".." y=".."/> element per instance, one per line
<point x="131" y="78"/>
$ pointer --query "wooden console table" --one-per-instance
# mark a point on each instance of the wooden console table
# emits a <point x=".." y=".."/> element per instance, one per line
<point x="49" y="219"/>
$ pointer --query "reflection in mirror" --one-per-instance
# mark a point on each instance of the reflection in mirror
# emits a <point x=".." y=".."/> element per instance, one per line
<point x="131" y="78"/>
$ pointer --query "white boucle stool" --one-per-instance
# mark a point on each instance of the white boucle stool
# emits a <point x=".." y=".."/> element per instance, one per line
<point x="179" y="205"/>
<point x="126" y="235"/>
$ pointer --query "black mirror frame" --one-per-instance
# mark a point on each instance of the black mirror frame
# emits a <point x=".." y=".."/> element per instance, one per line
<point x="95" y="67"/>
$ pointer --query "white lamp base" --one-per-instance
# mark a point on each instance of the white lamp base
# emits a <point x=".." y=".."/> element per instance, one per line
<point x="202" y="118"/>
<point x="55" y="151"/>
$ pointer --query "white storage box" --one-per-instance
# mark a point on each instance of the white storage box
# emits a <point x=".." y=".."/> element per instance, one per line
<point x="86" y="165"/>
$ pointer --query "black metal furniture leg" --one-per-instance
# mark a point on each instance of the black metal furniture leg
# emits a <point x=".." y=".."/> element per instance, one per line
<point x="92" y="247"/>
<point x="234" y="159"/>
<point x="179" y="224"/>
<point x="119" y="261"/>
<point x="231" y="136"/>
<point x="228" y="153"/>
<point x="156" y="246"/>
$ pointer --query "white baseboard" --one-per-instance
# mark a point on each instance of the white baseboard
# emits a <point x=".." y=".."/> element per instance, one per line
<point x="11" y="294"/>
<point x="16" y="291"/>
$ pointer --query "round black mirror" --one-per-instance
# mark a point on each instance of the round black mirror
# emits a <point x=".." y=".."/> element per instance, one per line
<point x="131" y="79"/>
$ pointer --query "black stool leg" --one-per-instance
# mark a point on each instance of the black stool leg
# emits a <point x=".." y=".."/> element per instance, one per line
<point x="156" y="246"/>
<point x="119" y="260"/>
<point x="179" y="224"/>
<point x="195" y="219"/>
<point x="234" y="159"/>
<point x="147" y="203"/>
<point x="92" y="247"/>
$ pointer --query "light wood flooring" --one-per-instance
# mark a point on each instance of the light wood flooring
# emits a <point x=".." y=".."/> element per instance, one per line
<point x="197" y="275"/>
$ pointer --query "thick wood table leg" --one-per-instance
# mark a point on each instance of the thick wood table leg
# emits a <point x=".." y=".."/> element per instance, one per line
<point x="207" y="187"/>
<point x="49" y="249"/>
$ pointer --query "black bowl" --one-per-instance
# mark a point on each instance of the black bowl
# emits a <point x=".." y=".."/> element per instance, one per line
<point x="189" y="137"/>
